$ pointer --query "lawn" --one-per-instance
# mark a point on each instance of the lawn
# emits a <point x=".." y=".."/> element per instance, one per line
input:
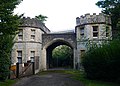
<point x="81" y="77"/>
<point x="7" y="83"/>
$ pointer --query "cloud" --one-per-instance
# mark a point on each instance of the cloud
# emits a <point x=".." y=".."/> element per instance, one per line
<point x="61" y="13"/>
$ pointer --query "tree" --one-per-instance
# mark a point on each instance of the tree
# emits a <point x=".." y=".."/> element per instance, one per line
<point x="102" y="61"/>
<point x="111" y="7"/>
<point x="41" y="18"/>
<point x="62" y="56"/>
<point x="8" y="27"/>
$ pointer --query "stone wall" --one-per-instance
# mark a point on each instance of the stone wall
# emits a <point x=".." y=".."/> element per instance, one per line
<point x="93" y="19"/>
<point x="52" y="40"/>
<point x="26" y="45"/>
<point x="68" y="37"/>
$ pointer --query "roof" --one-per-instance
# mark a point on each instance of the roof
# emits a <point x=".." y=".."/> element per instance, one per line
<point x="32" y="22"/>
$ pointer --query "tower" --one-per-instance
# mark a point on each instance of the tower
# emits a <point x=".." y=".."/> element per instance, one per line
<point x="94" y="28"/>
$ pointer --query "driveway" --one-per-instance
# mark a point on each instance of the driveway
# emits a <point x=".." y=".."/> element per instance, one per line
<point x="50" y="79"/>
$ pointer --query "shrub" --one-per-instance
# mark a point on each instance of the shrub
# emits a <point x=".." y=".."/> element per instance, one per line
<point x="5" y="50"/>
<point x="103" y="62"/>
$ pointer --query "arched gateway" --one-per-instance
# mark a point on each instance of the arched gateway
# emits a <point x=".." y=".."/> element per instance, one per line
<point x="35" y="41"/>
<point x="51" y="41"/>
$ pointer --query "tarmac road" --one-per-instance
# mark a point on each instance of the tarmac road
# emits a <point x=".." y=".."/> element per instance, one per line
<point x="50" y="79"/>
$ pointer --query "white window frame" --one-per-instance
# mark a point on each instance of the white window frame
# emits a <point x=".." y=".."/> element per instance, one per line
<point x="19" y="55"/>
<point x="20" y="35"/>
<point x="95" y="31"/>
<point x="32" y="34"/>
<point x="32" y="55"/>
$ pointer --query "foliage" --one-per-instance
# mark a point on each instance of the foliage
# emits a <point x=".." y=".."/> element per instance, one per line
<point x="111" y="7"/>
<point x="62" y="56"/>
<point x="8" y="22"/>
<point x="8" y="83"/>
<point x="102" y="62"/>
<point x="41" y="18"/>
<point x="8" y="26"/>
<point x="118" y="26"/>
<point x="80" y="75"/>
<point x="5" y="48"/>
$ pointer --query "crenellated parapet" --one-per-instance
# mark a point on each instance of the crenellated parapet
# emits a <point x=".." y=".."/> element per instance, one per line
<point x="32" y="22"/>
<point x="93" y="19"/>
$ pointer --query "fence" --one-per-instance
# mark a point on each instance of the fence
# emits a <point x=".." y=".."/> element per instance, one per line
<point x="18" y="70"/>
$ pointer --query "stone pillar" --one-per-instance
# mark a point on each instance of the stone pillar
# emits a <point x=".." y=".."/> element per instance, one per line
<point x="74" y="58"/>
<point x="43" y="60"/>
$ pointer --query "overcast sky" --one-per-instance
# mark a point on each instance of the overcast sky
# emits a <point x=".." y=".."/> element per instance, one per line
<point x="61" y="13"/>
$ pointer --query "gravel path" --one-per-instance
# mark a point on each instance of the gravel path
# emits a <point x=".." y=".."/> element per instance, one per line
<point x="50" y="79"/>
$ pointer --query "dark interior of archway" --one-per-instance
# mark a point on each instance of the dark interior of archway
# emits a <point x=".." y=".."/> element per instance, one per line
<point x="50" y="63"/>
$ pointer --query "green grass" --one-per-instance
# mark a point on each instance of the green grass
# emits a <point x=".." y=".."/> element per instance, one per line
<point x="7" y="83"/>
<point x="78" y="75"/>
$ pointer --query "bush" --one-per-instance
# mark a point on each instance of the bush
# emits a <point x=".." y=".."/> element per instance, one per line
<point x="5" y="51"/>
<point x="103" y="62"/>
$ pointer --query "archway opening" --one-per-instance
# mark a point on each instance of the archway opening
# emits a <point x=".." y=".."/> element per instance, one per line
<point x="59" y="55"/>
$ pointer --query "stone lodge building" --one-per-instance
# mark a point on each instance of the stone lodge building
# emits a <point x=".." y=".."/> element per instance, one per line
<point x="29" y="43"/>
<point x="92" y="28"/>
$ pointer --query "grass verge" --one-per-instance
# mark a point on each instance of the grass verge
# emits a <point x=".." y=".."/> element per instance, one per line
<point x="8" y="83"/>
<point x="78" y="75"/>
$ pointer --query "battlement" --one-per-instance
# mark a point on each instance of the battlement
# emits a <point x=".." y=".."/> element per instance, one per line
<point x="32" y="22"/>
<point x="93" y="19"/>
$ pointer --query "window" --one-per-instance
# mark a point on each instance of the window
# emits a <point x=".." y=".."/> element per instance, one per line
<point x="82" y="32"/>
<point x="95" y="31"/>
<point x="32" y="55"/>
<point x="20" y="34"/>
<point x="32" y="34"/>
<point x="95" y="34"/>
<point x="107" y="31"/>
<point x="19" y="56"/>
<point x="32" y="37"/>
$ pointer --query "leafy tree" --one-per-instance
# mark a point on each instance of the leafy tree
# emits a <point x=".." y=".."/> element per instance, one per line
<point x="8" y="27"/>
<point x="118" y="26"/>
<point x="111" y="7"/>
<point x="41" y="18"/>
<point x="62" y="56"/>
<point x="5" y="49"/>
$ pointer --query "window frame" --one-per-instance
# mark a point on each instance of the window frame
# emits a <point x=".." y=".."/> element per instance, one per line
<point x="95" y="31"/>
<point x="32" y="57"/>
<point x="20" y="35"/>
<point x="19" y="56"/>
<point x="107" y="31"/>
<point x="82" y="32"/>
<point x="33" y="34"/>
